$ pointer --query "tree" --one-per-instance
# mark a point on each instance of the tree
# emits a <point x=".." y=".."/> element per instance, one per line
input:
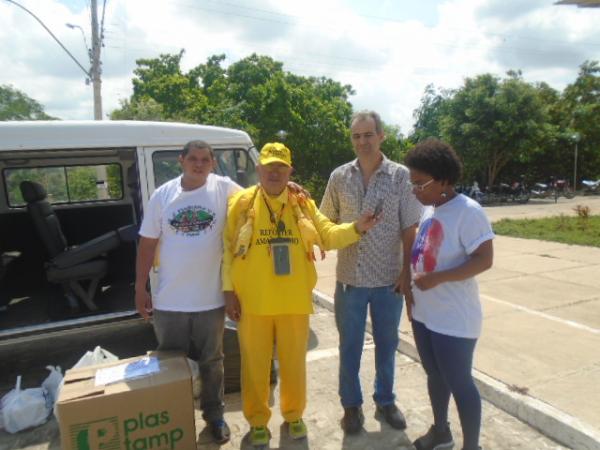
<point x="254" y="94"/>
<point x="491" y="122"/>
<point x="142" y="109"/>
<point x="16" y="105"/>
<point x="162" y="80"/>
<point x="395" y="144"/>
<point x="580" y="113"/>
<point x="546" y="159"/>
<point x="434" y="104"/>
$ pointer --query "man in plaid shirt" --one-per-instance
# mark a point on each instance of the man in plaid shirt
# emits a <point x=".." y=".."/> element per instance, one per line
<point x="375" y="272"/>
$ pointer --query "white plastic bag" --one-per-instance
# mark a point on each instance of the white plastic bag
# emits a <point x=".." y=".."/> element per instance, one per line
<point x="98" y="356"/>
<point x="26" y="408"/>
<point x="195" y="377"/>
<point x="90" y="358"/>
<point x="53" y="382"/>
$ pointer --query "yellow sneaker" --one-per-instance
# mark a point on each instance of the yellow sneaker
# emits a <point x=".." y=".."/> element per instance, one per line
<point x="297" y="429"/>
<point x="259" y="436"/>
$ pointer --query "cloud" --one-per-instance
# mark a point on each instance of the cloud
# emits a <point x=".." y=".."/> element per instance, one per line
<point x="388" y="52"/>
<point x="256" y="21"/>
<point x="544" y="38"/>
<point x="509" y="10"/>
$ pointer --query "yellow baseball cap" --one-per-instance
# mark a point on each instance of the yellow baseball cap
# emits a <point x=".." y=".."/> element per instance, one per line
<point x="275" y="152"/>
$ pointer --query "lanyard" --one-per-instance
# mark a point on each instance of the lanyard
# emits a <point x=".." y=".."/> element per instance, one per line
<point x="277" y="222"/>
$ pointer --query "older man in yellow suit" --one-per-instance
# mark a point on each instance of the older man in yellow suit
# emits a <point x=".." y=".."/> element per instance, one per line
<point x="268" y="277"/>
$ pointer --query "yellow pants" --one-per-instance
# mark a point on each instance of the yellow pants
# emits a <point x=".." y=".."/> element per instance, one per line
<point x="257" y="334"/>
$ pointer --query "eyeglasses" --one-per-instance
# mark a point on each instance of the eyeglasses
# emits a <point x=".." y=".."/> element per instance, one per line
<point x="420" y="187"/>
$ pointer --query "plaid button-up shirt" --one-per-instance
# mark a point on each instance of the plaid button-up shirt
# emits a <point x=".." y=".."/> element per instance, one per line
<point x="376" y="259"/>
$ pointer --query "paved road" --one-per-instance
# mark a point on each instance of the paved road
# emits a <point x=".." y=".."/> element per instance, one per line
<point x="542" y="314"/>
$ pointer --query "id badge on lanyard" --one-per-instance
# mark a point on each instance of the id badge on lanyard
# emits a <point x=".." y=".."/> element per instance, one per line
<point x="280" y="252"/>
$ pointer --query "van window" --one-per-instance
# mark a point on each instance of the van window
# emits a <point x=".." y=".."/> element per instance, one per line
<point x="67" y="184"/>
<point x="234" y="163"/>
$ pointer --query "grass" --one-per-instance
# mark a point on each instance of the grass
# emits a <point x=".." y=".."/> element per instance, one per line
<point x="582" y="229"/>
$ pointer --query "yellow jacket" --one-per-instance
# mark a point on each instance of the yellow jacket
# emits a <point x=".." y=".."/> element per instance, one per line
<point x="253" y="278"/>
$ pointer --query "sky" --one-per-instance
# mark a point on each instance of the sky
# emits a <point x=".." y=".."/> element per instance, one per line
<point x="387" y="50"/>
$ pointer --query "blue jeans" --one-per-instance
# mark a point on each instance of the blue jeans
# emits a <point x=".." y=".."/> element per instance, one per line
<point x="385" y="307"/>
<point x="448" y="362"/>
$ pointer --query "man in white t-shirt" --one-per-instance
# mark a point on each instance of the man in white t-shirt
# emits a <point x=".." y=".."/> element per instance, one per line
<point x="181" y="233"/>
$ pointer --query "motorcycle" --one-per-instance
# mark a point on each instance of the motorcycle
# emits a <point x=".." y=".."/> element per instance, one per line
<point x="502" y="193"/>
<point x="519" y="192"/>
<point x="561" y="187"/>
<point x="591" y="187"/>
<point x="475" y="193"/>
<point x="553" y="189"/>
<point x="542" y="190"/>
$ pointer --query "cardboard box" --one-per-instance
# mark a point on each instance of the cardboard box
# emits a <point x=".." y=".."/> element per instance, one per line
<point x="151" y="407"/>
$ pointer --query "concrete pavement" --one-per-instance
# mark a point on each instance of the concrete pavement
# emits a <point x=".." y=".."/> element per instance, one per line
<point x="500" y="430"/>
<point x="541" y="324"/>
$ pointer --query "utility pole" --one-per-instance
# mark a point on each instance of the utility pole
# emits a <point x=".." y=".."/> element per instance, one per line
<point x="96" y="70"/>
<point x="575" y="167"/>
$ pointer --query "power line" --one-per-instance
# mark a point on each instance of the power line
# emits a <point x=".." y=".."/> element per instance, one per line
<point x="368" y="63"/>
<point x="446" y="44"/>
<point x="376" y="18"/>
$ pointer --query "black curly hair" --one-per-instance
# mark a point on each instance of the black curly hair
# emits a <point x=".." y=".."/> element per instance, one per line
<point x="435" y="158"/>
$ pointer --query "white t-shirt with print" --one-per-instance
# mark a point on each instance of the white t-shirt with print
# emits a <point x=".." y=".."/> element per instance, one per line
<point x="189" y="225"/>
<point x="447" y="235"/>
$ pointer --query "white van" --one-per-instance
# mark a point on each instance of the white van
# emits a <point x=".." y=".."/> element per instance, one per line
<point x="95" y="178"/>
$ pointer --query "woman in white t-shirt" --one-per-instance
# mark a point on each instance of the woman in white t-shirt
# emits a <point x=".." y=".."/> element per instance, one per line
<point x="453" y="245"/>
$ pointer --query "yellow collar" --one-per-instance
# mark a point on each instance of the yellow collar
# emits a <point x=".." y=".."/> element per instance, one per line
<point x="281" y="198"/>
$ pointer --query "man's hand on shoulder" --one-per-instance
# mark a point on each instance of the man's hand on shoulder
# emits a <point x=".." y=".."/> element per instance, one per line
<point x="295" y="188"/>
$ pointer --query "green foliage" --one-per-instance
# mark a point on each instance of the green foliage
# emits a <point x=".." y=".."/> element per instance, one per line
<point x="395" y="145"/>
<point x="82" y="182"/>
<point x="580" y="114"/>
<point x="501" y="127"/>
<point x="491" y="122"/>
<point x="161" y="79"/>
<point x="166" y="167"/>
<point x="64" y="184"/>
<point x="16" y="105"/>
<point x="254" y="94"/>
<point x="314" y="184"/>
<point x="434" y="105"/>
<point x="142" y="109"/>
<point x="115" y="181"/>
<point x="568" y="230"/>
<point x="505" y="128"/>
<point x="52" y="178"/>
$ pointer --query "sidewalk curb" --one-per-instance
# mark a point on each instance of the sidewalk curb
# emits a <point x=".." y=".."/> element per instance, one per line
<point x="563" y="428"/>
